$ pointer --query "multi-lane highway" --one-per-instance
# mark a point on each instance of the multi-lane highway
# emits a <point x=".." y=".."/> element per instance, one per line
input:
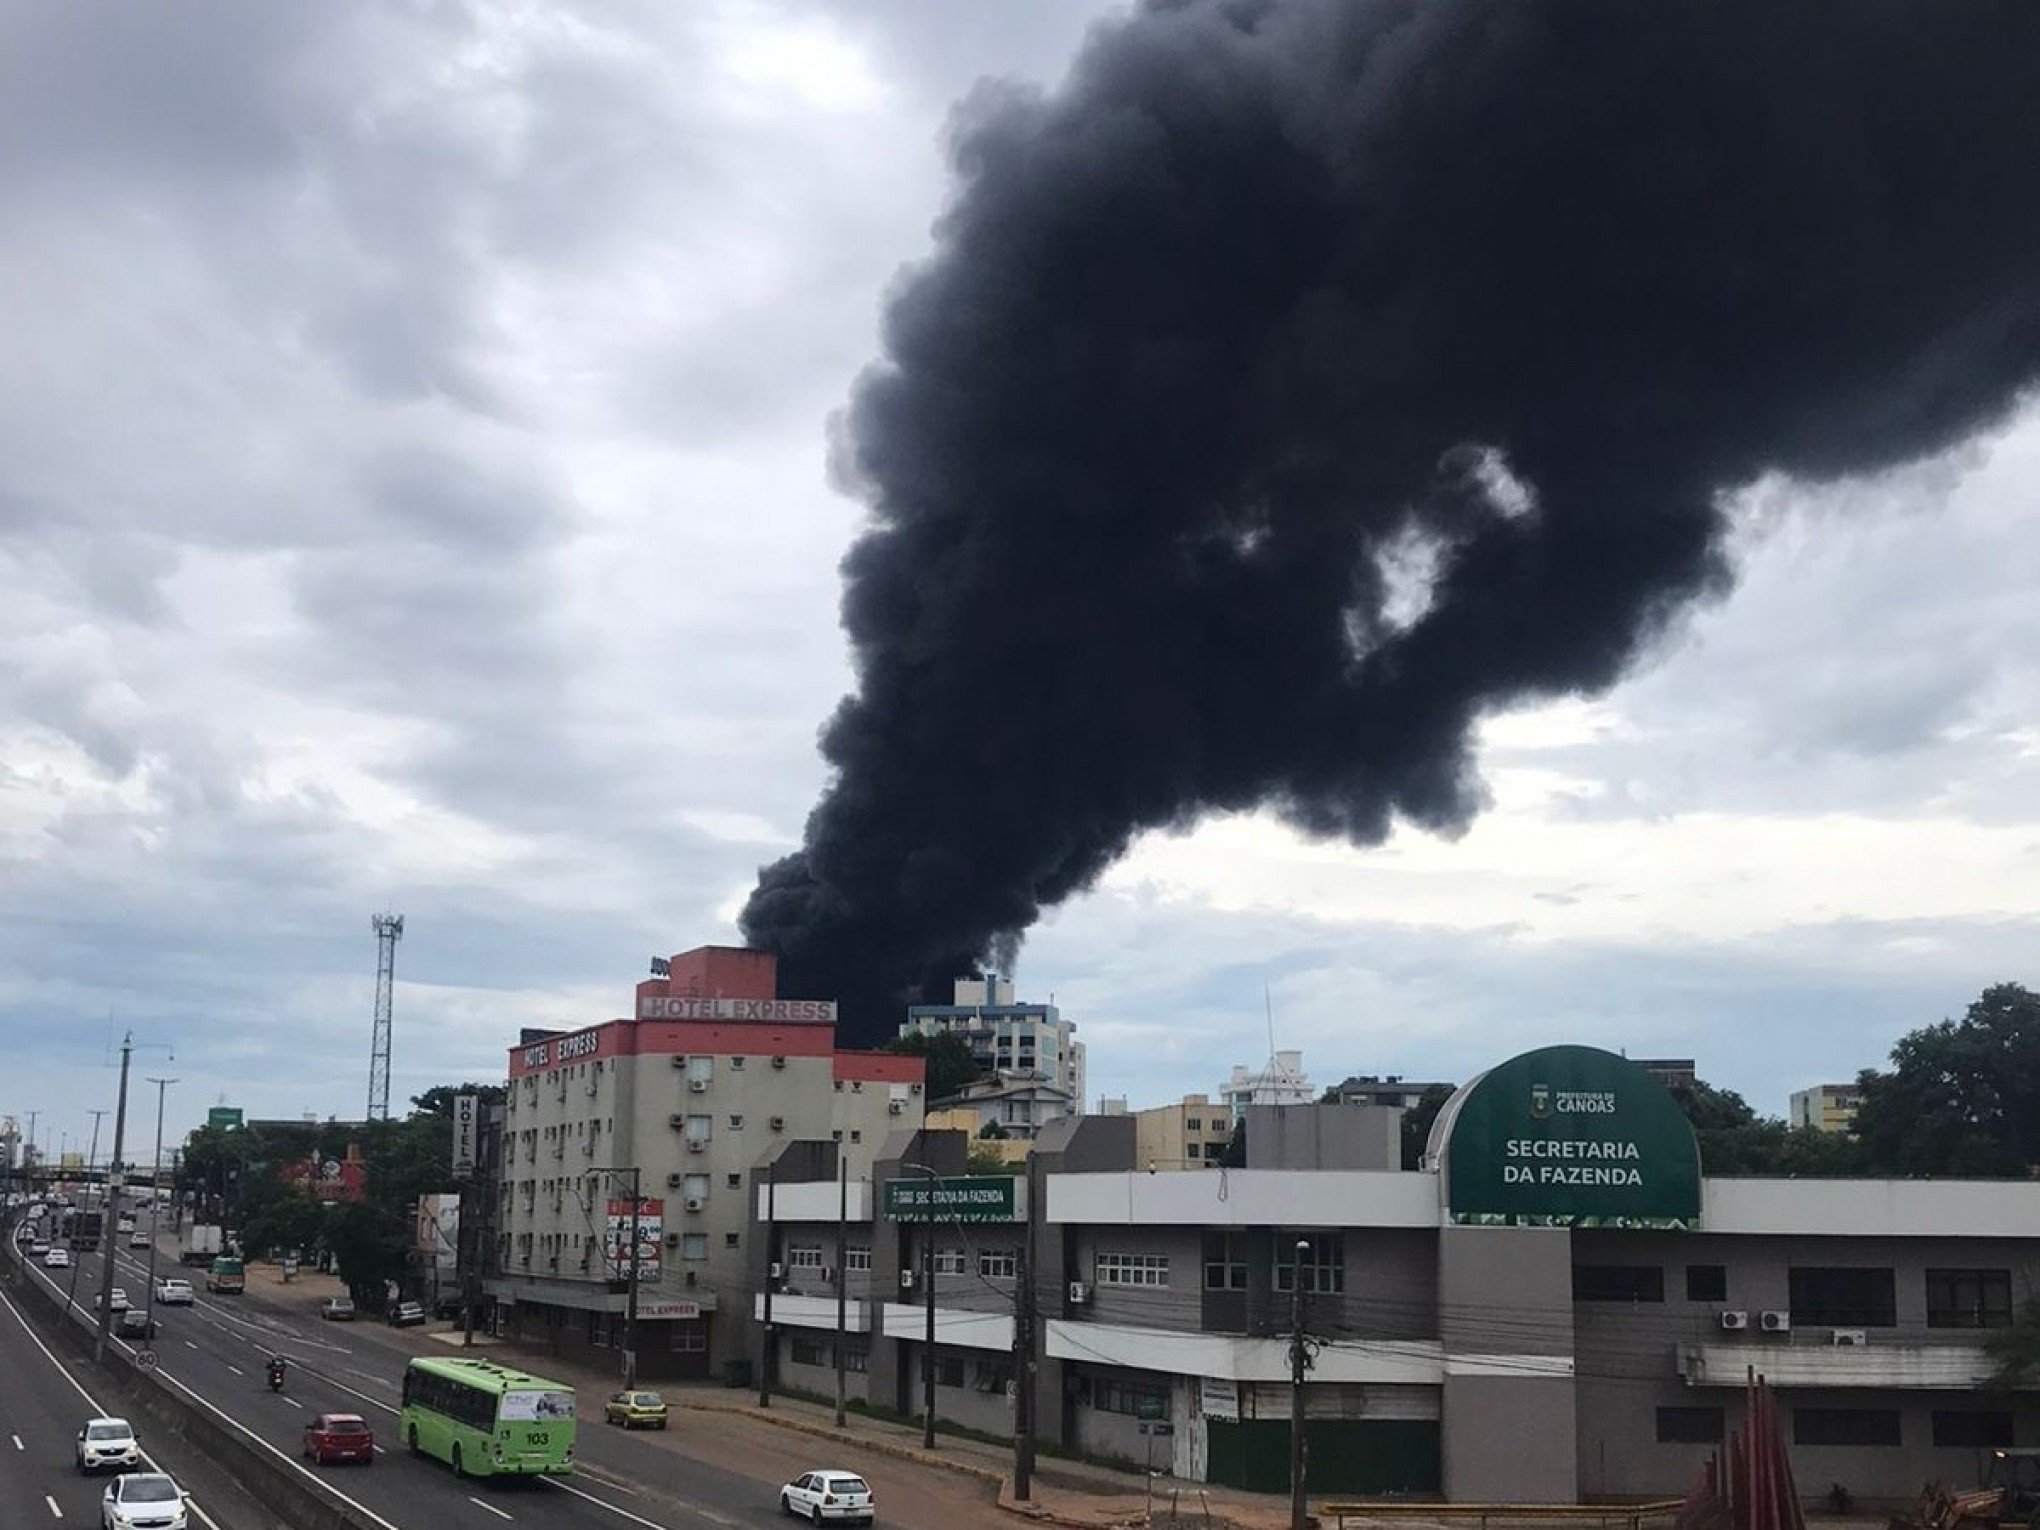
<point x="213" y="1353"/>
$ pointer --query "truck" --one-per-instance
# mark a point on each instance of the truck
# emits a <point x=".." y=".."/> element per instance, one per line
<point x="86" y="1229"/>
<point x="201" y="1244"/>
<point x="226" y="1276"/>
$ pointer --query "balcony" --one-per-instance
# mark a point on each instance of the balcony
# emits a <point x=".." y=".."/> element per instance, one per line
<point x="1814" y="1360"/>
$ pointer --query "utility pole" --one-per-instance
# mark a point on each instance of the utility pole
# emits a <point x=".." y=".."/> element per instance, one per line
<point x="112" y="1200"/>
<point x="1026" y="1314"/>
<point x="630" y="1298"/>
<point x="91" y="1155"/>
<point x="842" y="1275"/>
<point x="771" y="1340"/>
<point x="156" y="1202"/>
<point x="1298" y="1358"/>
<point x="928" y="1291"/>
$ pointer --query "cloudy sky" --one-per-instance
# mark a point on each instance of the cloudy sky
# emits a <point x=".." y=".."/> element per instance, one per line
<point x="413" y="497"/>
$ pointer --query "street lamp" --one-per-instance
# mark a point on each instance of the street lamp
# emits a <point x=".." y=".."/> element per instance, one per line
<point x="155" y="1207"/>
<point x="1298" y="1518"/>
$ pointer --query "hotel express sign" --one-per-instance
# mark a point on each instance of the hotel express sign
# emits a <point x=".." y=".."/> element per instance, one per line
<point x="1570" y="1137"/>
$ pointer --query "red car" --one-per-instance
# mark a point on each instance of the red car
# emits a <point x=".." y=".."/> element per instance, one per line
<point x="340" y="1437"/>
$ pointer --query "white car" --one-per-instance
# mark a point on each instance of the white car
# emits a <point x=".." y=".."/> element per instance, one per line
<point x="116" y="1300"/>
<point x="173" y="1292"/>
<point x="108" y="1442"/>
<point x="138" y="1240"/>
<point x="829" y="1496"/>
<point x="57" y="1259"/>
<point x="142" y="1501"/>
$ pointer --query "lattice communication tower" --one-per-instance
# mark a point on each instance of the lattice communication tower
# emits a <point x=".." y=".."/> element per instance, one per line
<point x="389" y="929"/>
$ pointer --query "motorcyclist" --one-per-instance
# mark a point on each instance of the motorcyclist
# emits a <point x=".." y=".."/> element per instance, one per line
<point x="276" y="1369"/>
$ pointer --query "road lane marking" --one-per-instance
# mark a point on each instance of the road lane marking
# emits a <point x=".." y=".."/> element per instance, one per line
<point x="189" y="1345"/>
<point x="237" y="1370"/>
<point x="638" y="1519"/>
<point x="293" y="1402"/>
<point x="17" y="1443"/>
<point x="489" y="1506"/>
<point x="53" y="1506"/>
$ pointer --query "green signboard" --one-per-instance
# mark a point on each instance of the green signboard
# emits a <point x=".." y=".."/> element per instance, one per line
<point x="978" y="1198"/>
<point x="223" y="1116"/>
<point x="1569" y="1137"/>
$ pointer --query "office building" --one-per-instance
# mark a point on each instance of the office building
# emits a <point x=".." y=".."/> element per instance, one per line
<point x="1007" y="1038"/>
<point x="1281" y="1081"/>
<point x="1825" y="1107"/>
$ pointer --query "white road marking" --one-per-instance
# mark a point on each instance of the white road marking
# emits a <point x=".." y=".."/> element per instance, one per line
<point x="489" y="1506"/>
<point x="189" y="1345"/>
<point x="637" y="1519"/>
<point x="53" y="1506"/>
<point x="237" y="1370"/>
<point x="17" y="1443"/>
<point x="293" y="1402"/>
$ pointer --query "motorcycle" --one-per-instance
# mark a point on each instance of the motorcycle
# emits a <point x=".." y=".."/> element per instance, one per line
<point x="276" y="1375"/>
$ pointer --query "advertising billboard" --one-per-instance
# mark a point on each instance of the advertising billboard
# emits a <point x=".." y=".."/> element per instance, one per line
<point x="330" y="1181"/>
<point x="651" y="1238"/>
<point x="466" y="1135"/>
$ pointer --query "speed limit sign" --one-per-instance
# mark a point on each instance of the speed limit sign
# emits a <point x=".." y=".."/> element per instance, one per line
<point x="146" y="1359"/>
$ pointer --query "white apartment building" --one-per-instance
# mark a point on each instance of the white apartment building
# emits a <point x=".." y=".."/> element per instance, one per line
<point x="1007" y="1038"/>
<point x="712" y="1076"/>
<point x="1281" y="1082"/>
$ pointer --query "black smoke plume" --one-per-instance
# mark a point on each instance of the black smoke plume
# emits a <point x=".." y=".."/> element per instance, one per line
<point x="1298" y="383"/>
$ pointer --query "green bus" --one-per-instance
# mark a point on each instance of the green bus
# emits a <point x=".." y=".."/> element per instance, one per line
<point x="482" y="1418"/>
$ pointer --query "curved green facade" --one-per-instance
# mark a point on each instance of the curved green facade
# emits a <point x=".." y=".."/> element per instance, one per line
<point x="1568" y="1137"/>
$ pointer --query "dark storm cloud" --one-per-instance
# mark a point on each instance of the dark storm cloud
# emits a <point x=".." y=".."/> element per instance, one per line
<point x="1265" y="296"/>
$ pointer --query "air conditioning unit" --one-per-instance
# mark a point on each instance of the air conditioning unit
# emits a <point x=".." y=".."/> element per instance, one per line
<point x="913" y="1089"/>
<point x="697" y="1086"/>
<point x="779" y="1123"/>
<point x="672" y="1240"/>
<point x="696" y="1145"/>
<point x="906" y="1280"/>
<point x="679" y="1062"/>
<point x="694" y="1202"/>
<point x="1080" y="1293"/>
<point x="673" y="1181"/>
<point x="1775" y="1322"/>
<point x="778" y="1271"/>
<point x="778" y="1062"/>
<point x="1848" y="1338"/>
<point x="895" y="1107"/>
<point x="676" y="1121"/>
<point x="1734" y="1322"/>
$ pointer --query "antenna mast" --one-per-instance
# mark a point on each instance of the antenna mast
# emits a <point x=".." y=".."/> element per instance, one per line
<point x="389" y="929"/>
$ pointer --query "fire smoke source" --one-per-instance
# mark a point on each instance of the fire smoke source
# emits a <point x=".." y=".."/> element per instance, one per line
<point x="1298" y="383"/>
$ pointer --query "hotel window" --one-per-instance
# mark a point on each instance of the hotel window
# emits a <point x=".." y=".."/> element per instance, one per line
<point x="1324" y="1264"/>
<point x="693" y="1246"/>
<point x="1969" y="1298"/>
<point x="700" y="1069"/>
<point x="1132" y="1270"/>
<point x="699" y="1128"/>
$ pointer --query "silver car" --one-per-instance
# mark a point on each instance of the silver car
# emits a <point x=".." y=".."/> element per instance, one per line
<point x="142" y="1501"/>
<point x="108" y="1444"/>
<point x="829" y="1496"/>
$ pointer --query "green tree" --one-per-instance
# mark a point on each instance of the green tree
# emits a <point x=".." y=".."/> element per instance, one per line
<point x="1962" y="1097"/>
<point x="986" y="1160"/>
<point x="951" y="1068"/>
<point x="1735" y="1140"/>
<point x="438" y="1100"/>
<point x="1416" y="1124"/>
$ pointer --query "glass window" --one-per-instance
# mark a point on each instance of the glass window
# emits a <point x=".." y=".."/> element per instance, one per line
<point x="1132" y="1270"/>
<point x="1843" y="1297"/>
<point x="693" y="1246"/>
<point x="699" y="1128"/>
<point x="1225" y="1261"/>
<point x="1973" y="1428"/>
<point x="1618" y="1283"/>
<point x="702" y="1068"/>
<point x="732" y="1240"/>
<point x="1323" y="1264"/>
<point x="1969" y="1298"/>
<point x="998" y="1263"/>
<point x="1689" y="1426"/>
<point x="809" y="1351"/>
<point x="949" y="1261"/>
<point x="1706" y="1283"/>
<point x="1137" y="1399"/>
<point x="857" y="1258"/>
<point x="804" y="1256"/>
<point x="949" y="1370"/>
<point x="1845" y="1426"/>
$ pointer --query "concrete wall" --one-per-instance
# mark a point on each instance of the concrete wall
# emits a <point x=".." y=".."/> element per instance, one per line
<point x="1324" y="1137"/>
<point x="1506" y="1318"/>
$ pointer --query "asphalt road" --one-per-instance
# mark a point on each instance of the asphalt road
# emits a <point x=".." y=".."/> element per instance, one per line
<point x="215" y="1350"/>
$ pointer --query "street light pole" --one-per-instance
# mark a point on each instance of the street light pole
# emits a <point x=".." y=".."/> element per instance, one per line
<point x="106" y="1233"/>
<point x="630" y="1300"/>
<point x="155" y="1204"/>
<point x="1298" y="1519"/>
<point x="928" y="1292"/>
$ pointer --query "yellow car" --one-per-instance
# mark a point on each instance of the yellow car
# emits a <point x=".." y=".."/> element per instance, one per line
<point x="636" y="1410"/>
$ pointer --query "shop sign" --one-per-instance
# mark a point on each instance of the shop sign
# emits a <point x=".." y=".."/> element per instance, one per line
<point x="1218" y="1397"/>
<point x="975" y="1198"/>
<point x="1568" y="1136"/>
